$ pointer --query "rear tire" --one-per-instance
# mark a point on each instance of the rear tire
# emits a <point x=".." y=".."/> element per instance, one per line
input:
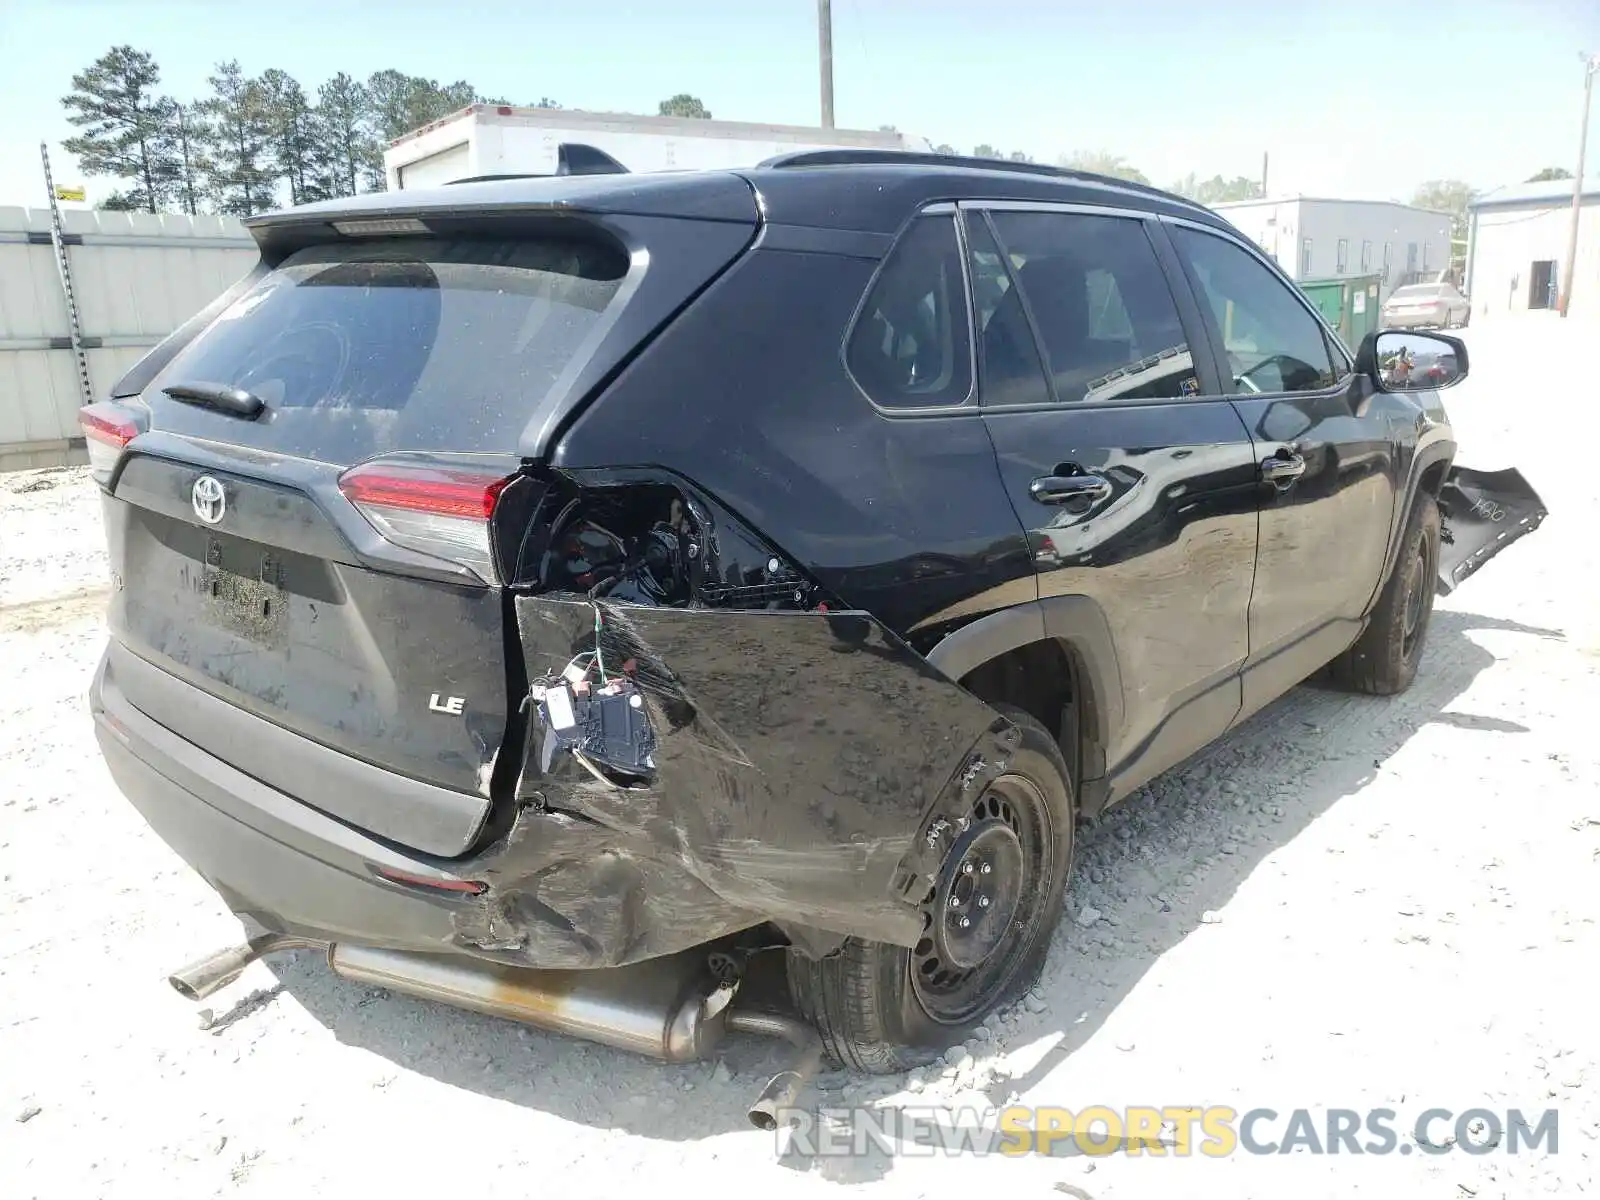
<point x="882" y="1009"/>
<point x="1383" y="662"/>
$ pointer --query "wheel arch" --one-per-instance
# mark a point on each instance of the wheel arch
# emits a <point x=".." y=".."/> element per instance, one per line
<point x="1429" y="468"/>
<point x="1027" y="634"/>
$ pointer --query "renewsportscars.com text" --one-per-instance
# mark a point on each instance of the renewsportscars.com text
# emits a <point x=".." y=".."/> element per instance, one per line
<point x="1184" y="1130"/>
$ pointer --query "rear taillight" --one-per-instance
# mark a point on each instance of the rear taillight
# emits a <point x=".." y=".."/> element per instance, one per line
<point x="107" y="430"/>
<point x="437" y="510"/>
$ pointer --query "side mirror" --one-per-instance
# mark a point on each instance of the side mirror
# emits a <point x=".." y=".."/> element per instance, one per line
<point x="1401" y="360"/>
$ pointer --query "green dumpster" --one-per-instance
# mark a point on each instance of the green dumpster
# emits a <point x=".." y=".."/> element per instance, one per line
<point x="1348" y="303"/>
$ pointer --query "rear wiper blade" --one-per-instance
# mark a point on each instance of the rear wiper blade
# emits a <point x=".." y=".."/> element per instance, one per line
<point x="219" y="396"/>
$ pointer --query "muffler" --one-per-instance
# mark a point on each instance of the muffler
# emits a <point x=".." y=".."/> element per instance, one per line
<point x="672" y="1008"/>
<point x="216" y="971"/>
<point x="662" y="1008"/>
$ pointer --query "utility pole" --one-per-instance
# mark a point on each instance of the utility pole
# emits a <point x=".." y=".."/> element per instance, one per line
<point x="1263" y="174"/>
<point x="825" y="45"/>
<point x="1591" y="64"/>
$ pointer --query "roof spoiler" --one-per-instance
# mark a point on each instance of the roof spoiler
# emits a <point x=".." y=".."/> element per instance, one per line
<point x="572" y="158"/>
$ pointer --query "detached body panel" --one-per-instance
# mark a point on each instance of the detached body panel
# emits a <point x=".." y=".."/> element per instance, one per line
<point x="1483" y="512"/>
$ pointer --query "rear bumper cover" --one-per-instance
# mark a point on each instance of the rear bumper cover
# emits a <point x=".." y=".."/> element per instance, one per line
<point x="830" y="843"/>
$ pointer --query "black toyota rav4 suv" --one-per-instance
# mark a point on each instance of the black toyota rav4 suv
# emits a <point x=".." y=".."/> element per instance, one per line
<point x="547" y="593"/>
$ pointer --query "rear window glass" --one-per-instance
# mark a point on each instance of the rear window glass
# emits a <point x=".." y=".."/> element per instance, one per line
<point x="1419" y="291"/>
<point x="909" y="348"/>
<point x="402" y="344"/>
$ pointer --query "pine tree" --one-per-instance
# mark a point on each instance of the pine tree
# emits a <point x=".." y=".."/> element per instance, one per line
<point x="238" y="172"/>
<point x="188" y="154"/>
<point x="124" y="128"/>
<point x="348" y="142"/>
<point x="401" y="103"/>
<point x="292" y="130"/>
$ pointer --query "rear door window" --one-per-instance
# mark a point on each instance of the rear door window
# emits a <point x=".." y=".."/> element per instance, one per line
<point x="910" y="346"/>
<point x="435" y="344"/>
<point x="1100" y="305"/>
<point x="1008" y="358"/>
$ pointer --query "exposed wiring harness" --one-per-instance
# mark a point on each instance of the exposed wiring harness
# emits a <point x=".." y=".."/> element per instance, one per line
<point x="602" y="723"/>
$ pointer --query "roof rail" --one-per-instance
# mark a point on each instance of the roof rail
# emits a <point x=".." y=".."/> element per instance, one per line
<point x="490" y="178"/>
<point x="842" y="158"/>
<point x="572" y="158"/>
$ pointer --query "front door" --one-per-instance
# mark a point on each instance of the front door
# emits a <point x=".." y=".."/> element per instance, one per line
<point x="1135" y="481"/>
<point x="1328" y="453"/>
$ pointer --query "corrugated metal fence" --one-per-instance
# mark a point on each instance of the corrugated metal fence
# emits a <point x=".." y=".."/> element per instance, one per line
<point x="137" y="276"/>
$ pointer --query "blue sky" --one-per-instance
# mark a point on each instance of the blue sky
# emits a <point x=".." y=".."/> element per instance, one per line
<point x="1353" y="97"/>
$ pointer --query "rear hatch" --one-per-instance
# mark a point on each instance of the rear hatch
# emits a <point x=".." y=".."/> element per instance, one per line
<point x="310" y="505"/>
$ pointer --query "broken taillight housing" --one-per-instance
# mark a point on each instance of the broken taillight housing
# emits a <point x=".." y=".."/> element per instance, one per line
<point x="443" y="511"/>
<point x="107" y="430"/>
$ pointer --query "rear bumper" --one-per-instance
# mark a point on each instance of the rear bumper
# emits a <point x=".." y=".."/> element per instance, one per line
<point x="582" y="895"/>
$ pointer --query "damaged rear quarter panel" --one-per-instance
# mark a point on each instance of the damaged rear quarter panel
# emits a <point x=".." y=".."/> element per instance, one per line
<point x="799" y="758"/>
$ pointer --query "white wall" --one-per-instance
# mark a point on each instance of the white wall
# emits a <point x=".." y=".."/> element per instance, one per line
<point x="137" y="277"/>
<point x="1506" y="242"/>
<point x="526" y="142"/>
<point x="1271" y="224"/>
<point x="1280" y="227"/>
<point x="453" y="163"/>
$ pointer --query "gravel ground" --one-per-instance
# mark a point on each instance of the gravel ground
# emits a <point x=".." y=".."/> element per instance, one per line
<point x="1349" y="903"/>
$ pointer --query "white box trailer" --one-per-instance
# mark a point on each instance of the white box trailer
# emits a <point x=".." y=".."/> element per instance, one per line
<point x="486" y="139"/>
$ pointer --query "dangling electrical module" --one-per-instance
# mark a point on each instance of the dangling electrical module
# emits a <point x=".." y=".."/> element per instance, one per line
<point x="599" y="719"/>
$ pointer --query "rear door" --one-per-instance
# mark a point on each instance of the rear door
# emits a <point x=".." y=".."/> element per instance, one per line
<point x="1329" y="451"/>
<point x="1136" y="484"/>
<point x="313" y="530"/>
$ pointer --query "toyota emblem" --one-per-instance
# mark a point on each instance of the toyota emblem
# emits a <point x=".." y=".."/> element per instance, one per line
<point x="209" y="500"/>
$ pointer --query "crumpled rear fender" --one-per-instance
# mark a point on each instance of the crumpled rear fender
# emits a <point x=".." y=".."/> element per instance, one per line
<point x="808" y="768"/>
<point x="1483" y="512"/>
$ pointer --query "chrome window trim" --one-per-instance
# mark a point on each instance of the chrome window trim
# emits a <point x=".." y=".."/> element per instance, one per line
<point x="1088" y="210"/>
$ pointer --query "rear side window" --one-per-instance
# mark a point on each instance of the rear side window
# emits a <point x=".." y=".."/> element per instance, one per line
<point x="1100" y="304"/>
<point x="910" y="346"/>
<point x="402" y="344"/>
<point x="1008" y="356"/>
<point x="1272" y="342"/>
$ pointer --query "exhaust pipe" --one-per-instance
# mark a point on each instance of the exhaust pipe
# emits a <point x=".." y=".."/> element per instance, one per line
<point x="216" y="971"/>
<point x="668" y="1008"/>
<point x="784" y="1088"/>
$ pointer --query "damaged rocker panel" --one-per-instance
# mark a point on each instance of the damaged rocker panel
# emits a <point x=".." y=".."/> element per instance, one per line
<point x="806" y="769"/>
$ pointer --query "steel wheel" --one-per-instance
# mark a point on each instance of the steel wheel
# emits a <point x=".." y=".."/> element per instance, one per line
<point x="977" y="917"/>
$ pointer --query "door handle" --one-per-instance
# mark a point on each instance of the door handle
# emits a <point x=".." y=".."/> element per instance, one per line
<point x="1084" y="490"/>
<point x="1282" y="468"/>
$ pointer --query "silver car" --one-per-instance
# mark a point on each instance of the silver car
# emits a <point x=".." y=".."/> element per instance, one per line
<point x="1438" y="305"/>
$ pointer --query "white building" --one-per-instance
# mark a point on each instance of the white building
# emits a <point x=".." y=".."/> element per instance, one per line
<point x="1517" y="249"/>
<point x="1317" y="238"/>
<point x="486" y="139"/>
